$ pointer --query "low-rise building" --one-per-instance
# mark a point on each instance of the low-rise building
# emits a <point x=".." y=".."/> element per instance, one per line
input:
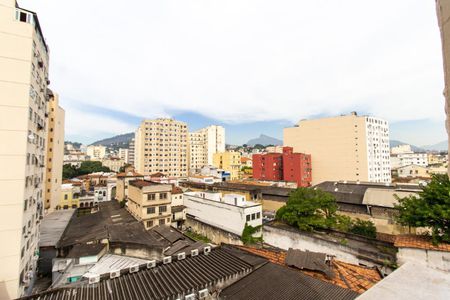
<point x="150" y="202"/>
<point x="229" y="161"/>
<point x="227" y="213"/>
<point x="246" y="162"/>
<point x="123" y="180"/>
<point x="96" y="152"/>
<point x="203" y="179"/>
<point x="75" y="158"/>
<point x="406" y="159"/>
<point x="221" y="174"/>
<point x="70" y="196"/>
<point x="113" y="163"/>
<point x="412" y="171"/>
<point x="178" y="208"/>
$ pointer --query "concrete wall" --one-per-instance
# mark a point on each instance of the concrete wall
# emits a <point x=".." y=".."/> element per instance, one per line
<point x="216" y="235"/>
<point x="434" y="259"/>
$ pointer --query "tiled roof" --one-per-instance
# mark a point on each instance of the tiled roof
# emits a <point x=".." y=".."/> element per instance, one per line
<point x="142" y="183"/>
<point x="166" y="281"/>
<point x="419" y="242"/>
<point x="356" y="278"/>
<point x="176" y="190"/>
<point x="129" y="174"/>
<point x="158" y="174"/>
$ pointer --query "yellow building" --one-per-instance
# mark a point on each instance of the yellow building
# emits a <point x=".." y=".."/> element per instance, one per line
<point x="70" y="196"/>
<point x="24" y="79"/>
<point x="55" y="152"/>
<point x="229" y="161"/>
<point x="150" y="202"/>
<point x="123" y="180"/>
<point x="349" y="147"/>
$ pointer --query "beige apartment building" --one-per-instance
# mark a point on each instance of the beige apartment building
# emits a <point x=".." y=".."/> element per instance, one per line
<point x="161" y="145"/>
<point x="96" y="152"/>
<point x="123" y="182"/>
<point x="348" y="147"/>
<point x="23" y="122"/>
<point x="229" y="161"/>
<point x="113" y="163"/>
<point x="55" y="152"/>
<point x="150" y="202"/>
<point x="203" y="144"/>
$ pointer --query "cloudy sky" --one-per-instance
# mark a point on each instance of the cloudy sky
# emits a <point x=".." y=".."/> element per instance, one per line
<point x="254" y="66"/>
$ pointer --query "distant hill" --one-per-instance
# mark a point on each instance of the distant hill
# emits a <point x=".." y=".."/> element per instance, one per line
<point x="395" y="143"/>
<point x="265" y="140"/>
<point x="442" y="146"/>
<point x="122" y="140"/>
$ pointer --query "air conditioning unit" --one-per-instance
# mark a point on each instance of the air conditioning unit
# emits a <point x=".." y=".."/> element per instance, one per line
<point x="167" y="260"/>
<point x="202" y="294"/>
<point x="134" y="269"/>
<point x="114" y="274"/>
<point x="207" y="250"/>
<point x="94" y="279"/>
<point x="189" y="297"/>
<point x="151" y="264"/>
<point x="194" y="252"/>
<point x="181" y="256"/>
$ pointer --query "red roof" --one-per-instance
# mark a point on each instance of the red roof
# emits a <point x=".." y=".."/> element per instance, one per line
<point x="419" y="242"/>
<point x="129" y="174"/>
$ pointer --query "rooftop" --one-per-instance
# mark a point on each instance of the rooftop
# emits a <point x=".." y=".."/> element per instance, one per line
<point x="142" y="183"/>
<point x="419" y="242"/>
<point x="176" y="190"/>
<point x="53" y="226"/>
<point x="129" y="174"/>
<point x="85" y="250"/>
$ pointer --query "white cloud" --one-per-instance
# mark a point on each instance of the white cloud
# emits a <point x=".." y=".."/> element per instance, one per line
<point x="242" y="60"/>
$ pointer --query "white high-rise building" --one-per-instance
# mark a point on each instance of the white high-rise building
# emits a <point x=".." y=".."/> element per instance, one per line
<point x="161" y="145"/>
<point x="203" y="144"/>
<point x="124" y="155"/>
<point x="349" y="147"/>
<point x="96" y="152"/>
<point x="24" y="120"/>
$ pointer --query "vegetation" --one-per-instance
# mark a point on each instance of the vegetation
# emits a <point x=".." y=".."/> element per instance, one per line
<point x="86" y="167"/>
<point x="197" y="237"/>
<point x="431" y="208"/>
<point x="122" y="169"/>
<point x="247" y="235"/>
<point x="311" y="209"/>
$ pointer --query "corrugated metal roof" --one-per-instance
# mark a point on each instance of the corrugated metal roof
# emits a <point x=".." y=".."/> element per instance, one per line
<point x="53" y="226"/>
<point x="313" y="261"/>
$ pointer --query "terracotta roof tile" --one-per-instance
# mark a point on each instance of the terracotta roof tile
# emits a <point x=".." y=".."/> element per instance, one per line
<point x="419" y="242"/>
<point x="349" y="276"/>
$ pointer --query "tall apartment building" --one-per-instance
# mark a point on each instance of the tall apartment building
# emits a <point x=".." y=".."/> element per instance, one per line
<point x="161" y="145"/>
<point x="443" y="16"/>
<point x="131" y="152"/>
<point x="55" y="152"/>
<point x="24" y="61"/>
<point x="287" y="166"/>
<point x="203" y="144"/>
<point x="96" y="152"/>
<point x="229" y="161"/>
<point x="124" y="154"/>
<point x="349" y="147"/>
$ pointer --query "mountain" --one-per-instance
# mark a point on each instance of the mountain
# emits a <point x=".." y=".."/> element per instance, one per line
<point x="442" y="146"/>
<point x="395" y="143"/>
<point x="265" y="140"/>
<point x="122" y="140"/>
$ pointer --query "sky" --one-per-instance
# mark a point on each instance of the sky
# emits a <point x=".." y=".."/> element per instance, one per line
<point x="253" y="66"/>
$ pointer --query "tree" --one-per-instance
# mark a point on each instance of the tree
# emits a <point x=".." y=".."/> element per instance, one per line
<point x="431" y="208"/>
<point x="365" y="228"/>
<point x="69" y="171"/>
<point x="309" y="209"/>
<point x="86" y="167"/>
<point x="247" y="234"/>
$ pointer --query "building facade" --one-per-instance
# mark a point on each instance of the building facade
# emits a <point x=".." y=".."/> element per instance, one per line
<point x="349" y="147"/>
<point x="70" y="196"/>
<point x="150" y="202"/>
<point x="203" y="144"/>
<point x="161" y="145"/>
<point x="406" y="159"/>
<point x="55" y="152"/>
<point x="131" y="152"/>
<point x="123" y="182"/>
<point x="113" y="163"/>
<point x="96" y="152"/>
<point x="124" y="155"/>
<point x="24" y="64"/>
<point x="285" y="166"/>
<point x="229" y="161"/>
<point x="229" y="212"/>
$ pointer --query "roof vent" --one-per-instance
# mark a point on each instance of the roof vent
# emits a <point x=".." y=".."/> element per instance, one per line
<point x="167" y="260"/>
<point x="194" y="252"/>
<point x="207" y="250"/>
<point x="181" y="256"/>
<point x="151" y="264"/>
<point x="114" y="274"/>
<point x="134" y="269"/>
<point x="94" y="279"/>
<point x="203" y="294"/>
<point x="189" y="297"/>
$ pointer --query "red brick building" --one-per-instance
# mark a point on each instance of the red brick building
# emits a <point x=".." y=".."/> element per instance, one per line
<point x="287" y="166"/>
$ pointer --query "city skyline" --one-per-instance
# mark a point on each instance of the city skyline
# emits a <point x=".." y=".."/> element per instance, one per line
<point x="183" y="68"/>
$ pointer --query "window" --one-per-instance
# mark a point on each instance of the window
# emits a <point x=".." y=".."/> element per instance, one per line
<point x="150" y="210"/>
<point x="258" y="215"/>
<point x="248" y="218"/>
<point x="162" y="221"/>
<point x="162" y="196"/>
<point x="151" y="197"/>
<point x="253" y="216"/>
<point x="25" y="205"/>
<point x="149" y="223"/>
<point x="65" y="197"/>
<point x="162" y="208"/>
